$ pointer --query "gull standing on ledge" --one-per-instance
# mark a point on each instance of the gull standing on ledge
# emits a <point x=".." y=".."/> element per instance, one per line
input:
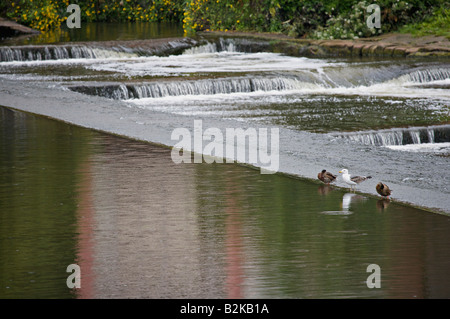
<point x="352" y="181"/>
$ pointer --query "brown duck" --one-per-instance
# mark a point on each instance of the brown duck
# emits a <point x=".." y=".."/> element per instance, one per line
<point x="383" y="190"/>
<point x="326" y="177"/>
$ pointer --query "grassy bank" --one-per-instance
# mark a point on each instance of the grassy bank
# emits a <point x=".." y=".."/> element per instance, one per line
<point x="436" y="24"/>
<point x="335" y="19"/>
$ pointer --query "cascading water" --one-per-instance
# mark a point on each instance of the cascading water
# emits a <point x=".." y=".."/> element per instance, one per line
<point x="239" y="78"/>
<point x="99" y="51"/>
<point x="389" y="137"/>
<point x="423" y="76"/>
<point x="200" y="87"/>
<point x="22" y="54"/>
<point x="419" y="139"/>
<point x="213" y="47"/>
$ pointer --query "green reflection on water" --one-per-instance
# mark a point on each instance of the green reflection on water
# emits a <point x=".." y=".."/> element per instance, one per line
<point x="297" y="239"/>
<point x="93" y="31"/>
<point x="38" y="201"/>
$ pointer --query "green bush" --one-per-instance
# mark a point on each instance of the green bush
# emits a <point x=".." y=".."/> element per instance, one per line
<point x="347" y="26"/>
<point x="50" y="14"/>
<point x="438" y="23"/>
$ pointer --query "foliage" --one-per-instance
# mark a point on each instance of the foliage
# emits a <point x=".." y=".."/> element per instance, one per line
<point x="347" y="26"/>
<point x="38" y="14"/>
<point x="338" y="19"/>
<point x="437" y="24"/>
<point x="49" y="14"/>
<point x="333" y="19"/>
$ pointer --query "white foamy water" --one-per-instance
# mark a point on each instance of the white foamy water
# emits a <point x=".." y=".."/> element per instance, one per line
<point x="244" y="86"/>
<point x="303" y="75"/>
<point x="436" y="148"/>
<point x="216" y="62"/>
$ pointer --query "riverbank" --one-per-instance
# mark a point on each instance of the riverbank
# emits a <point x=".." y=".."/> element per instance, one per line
<point x="387" y="45"/>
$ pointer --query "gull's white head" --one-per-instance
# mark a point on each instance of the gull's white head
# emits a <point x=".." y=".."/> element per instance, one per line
<point x="344" y="171"/>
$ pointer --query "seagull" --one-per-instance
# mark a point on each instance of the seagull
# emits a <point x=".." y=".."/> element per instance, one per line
<point x="352" y="181"/>
<point x="383" y="190"/>
<point x="326" y="177"/>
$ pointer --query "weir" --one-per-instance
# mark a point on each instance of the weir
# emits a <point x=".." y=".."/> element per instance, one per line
<point x="99" y="50"/>
<point x="400" y="136"/>
<point x="288" y="88"/>
<point x="310" y="81"/>
<point x="200" y="87"/>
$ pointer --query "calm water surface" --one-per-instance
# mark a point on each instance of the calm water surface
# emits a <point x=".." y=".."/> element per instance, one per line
<point x="94" y="31"/>
<point x="140" y="226"/>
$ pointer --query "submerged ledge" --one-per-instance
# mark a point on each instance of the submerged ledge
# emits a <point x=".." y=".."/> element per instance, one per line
<point x="387" y="45"/>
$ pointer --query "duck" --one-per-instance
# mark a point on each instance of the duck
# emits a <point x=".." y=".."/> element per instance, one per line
<point x="383" y="190"/>
<point x="326" y="177"/>
<point x="352" y="180"/>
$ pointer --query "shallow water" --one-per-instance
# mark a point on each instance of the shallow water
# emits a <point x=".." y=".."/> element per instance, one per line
<point x="140" y="226"/>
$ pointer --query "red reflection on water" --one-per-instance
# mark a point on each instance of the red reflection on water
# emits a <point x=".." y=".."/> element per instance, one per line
<point x="85" y="237"/>
<point x="233" y="228"/>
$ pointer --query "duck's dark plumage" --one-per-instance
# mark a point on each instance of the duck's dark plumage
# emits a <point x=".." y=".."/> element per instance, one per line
<point x="326" y="177"/>
<point x="383" y="189"/>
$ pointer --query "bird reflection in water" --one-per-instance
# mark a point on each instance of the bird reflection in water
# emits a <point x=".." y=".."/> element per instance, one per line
<point x="383" y="204"/>
<point x="324" y="189"/>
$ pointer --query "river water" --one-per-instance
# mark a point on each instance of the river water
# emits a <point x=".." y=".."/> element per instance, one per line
<point x="141" y="226"/>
